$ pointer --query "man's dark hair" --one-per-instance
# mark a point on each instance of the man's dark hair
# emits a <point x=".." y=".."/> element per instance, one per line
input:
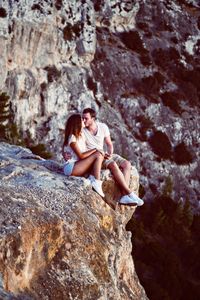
<point x="91" y="111"/>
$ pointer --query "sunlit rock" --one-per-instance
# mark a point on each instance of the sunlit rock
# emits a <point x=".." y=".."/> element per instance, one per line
<point x="59" y="239"/>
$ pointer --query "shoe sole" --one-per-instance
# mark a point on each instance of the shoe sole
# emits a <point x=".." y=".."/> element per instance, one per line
<point x="139" y="204"/>
<point x="128" y="204"/>
<point x="97" y="192"/>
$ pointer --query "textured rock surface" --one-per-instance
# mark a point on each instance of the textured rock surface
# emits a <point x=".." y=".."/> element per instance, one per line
<point x="136" y="62"/>
<point x="58" y="238"/>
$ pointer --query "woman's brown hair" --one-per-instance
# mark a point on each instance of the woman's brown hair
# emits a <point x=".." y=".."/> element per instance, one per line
<point x="73" y="126"/>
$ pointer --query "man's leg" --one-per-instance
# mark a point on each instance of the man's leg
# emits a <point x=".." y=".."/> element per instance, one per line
<point x="125" y="167"/>
<point x="119" y="177"/>
<point x="128" y="198"/>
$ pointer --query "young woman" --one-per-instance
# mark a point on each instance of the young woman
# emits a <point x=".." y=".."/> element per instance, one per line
<point x="81" y="161"/>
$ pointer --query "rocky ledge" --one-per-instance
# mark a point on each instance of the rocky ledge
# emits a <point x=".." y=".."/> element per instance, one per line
<point x="58" y="238"/>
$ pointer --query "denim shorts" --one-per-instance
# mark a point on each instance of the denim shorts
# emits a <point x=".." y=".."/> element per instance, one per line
<point x="68" y="168"/>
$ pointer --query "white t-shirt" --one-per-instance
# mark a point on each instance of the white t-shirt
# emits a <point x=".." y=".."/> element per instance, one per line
<point x="97" y="140"/>
<point x="81" y="144"/>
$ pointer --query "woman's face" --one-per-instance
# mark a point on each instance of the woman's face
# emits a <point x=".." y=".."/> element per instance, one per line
<point x="83" y="124"/>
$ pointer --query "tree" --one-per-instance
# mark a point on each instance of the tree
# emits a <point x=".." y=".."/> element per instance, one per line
<point x="4" y="115"/>
<point x="9" y="132"/>
<point x="8" y="129"/>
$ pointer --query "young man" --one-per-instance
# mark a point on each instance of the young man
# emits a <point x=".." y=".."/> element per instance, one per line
<point x="97" y="135"/>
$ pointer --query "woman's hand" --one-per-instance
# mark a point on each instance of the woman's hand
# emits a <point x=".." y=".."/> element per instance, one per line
<point x="67" y="156"/>
<point x="101" y="151"/>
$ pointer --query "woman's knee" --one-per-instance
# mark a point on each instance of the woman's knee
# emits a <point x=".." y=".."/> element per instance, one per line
<point x="99" y="155"/>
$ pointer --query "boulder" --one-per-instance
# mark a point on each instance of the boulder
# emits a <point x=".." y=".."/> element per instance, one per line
<point x="58" y="238"/>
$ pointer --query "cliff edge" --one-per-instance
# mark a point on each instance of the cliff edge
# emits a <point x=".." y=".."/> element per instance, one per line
<point x="58" y="238"/>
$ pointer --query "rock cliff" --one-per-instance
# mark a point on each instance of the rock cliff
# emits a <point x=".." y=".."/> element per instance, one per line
<point x="136" y="62"/>
<point x="58" y="238"/>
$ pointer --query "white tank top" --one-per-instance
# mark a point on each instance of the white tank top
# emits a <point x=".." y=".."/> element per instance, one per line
<point x="81" y="144"/>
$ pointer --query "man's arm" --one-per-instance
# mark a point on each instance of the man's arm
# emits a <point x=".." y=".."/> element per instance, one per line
<point x="109" y="146"/>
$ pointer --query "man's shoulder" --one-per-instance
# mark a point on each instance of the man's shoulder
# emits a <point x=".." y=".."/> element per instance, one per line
<point x="103" y="128"/>
<point x="101" y="124"/>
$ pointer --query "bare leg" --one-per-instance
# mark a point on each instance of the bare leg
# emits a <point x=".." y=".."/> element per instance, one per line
<point x="126" y="170"/>
<point x="119" y="177"/>
<point x="97" y="165"/>
<point x="83" y="165"/>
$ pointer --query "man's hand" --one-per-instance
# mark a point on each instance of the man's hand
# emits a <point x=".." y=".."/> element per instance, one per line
<point x="67" y="156"/>
<point x="107" y="155"/>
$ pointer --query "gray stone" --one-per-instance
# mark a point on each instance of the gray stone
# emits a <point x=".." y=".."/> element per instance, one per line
<point x="59" y="239"/>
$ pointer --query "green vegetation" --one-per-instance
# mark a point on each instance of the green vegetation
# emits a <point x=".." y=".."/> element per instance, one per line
<point x="52" y="73"/>
<point x="9" y="132"/>
<point x="58" y="4"/>
<point x="145" y="125"/>
<point x="37" y="7"/>
<point x="98" y="5"/>
<point x="171" y="99"/>
<point x="40" y="150"/>
<point x="4" y="113"/>
<point x="187" y="80"/>
<point x="71" y="31"/>
<point x="168" y="187"/>
<point x="165" y="58"/>
<point x="3" y="13"/>
<point x="166" y="248"/>
<point x="92" y="85"/>
<point x="8" y="129"/>
<point x="161" y="144"/>
<point x="182" y="155"/>
<point x="133" y="41"/>
<point x="150" y="86"/>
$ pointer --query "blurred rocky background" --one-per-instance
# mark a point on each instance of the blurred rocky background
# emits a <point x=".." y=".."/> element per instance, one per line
<point x="136" y="62"/>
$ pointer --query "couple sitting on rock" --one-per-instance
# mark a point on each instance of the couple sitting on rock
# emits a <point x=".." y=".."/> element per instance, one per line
<point x="83" y="152"/>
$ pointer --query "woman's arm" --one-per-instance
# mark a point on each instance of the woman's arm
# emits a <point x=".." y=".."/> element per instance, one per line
<point x="81" y="155"/>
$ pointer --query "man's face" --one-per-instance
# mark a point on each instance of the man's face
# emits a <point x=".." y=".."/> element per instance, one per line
<point x="87" y="119"/>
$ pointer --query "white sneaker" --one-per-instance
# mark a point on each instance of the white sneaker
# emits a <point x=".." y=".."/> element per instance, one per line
<point x="91" y="178"/>
<point x="97" y="186"/>
<point x="136" y="199"/>
<point x="126" y="200"/>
